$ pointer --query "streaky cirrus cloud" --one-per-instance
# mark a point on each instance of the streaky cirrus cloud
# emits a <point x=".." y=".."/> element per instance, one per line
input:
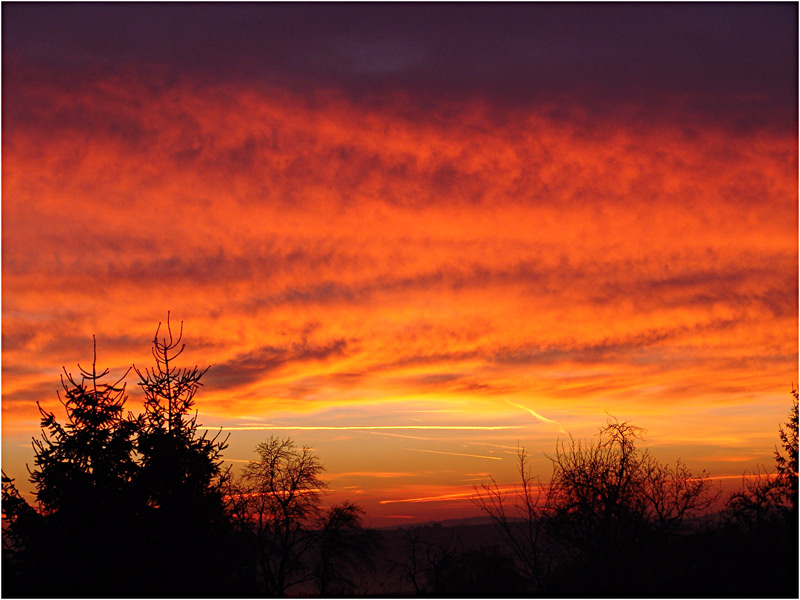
<point x="606" y="225"/>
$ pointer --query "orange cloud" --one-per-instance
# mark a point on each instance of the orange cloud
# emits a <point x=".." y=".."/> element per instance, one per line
<point x="450" y="263"/>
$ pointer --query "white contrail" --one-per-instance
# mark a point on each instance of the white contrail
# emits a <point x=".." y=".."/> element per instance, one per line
<point x="456" y="454"/>
<point x="361" y="427"/>
<point x="538" y="416"/>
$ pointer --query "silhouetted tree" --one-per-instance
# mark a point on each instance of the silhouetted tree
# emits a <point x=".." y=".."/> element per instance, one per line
<point x="24" y="543"/>
<point x="82" y="476"/>
<point x="277" y="501"/>
<point x="414" y="567"/>
<point x="89" y="459"/>
<point x="605" y="499"/>
<point x="768" y="497"/>
<point x="762" y="519"/>
<point x="673" y="493"/>
<point x="758" y="503"/>
<point x="116" y="489"/>
<point x="610" y="486"/>
<point x="787" y="465"/>
<point x="20" y="518"/>
<point x="440" y="560"/>
<point x="181" y="476"/>
<point x="344" y="548"/>
<point x="429" y="556"/>
<point x="520" y="521"/>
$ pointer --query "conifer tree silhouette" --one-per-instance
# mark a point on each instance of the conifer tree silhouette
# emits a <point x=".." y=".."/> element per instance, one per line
<point x="762" y="516"/>
<point x="769" y="496"/>
<point x="113" y="489"/>
<point x="82" y="476"/>
<point x="181" y="473"/>
<point x="787" y="465"/>
<point x="89" y="459"/>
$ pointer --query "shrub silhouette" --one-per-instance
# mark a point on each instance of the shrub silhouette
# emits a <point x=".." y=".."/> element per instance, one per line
<point x="606" y="499"/>
<point x="343" y="550"/>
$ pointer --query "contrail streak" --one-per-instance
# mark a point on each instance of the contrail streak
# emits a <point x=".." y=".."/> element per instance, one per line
<point x="442" y="498"/>
<point x="362" y="427"/>
<point x="456" y="454"/>
<point x="537" y="415"/>
<point x="533" y="412"/>
<point x="398" y="435"/>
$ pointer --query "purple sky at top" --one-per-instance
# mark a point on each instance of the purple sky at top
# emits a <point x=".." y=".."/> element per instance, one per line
<point x="734" y="63"/>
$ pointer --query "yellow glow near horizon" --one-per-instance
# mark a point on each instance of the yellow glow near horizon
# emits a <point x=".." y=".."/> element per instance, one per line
<point x="362" y="427"/>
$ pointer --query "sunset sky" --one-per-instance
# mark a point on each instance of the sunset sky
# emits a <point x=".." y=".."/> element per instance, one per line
<point x="411" y="236"/>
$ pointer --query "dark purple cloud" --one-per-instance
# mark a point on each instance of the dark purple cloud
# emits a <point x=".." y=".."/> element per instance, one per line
<point x="252" y="366"/>
<point x="735" y="62"/>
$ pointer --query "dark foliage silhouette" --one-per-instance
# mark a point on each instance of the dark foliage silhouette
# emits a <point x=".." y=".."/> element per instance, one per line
<point x="83" y="477"/>
<point x="113" y="489"/>
<point x="607" y="494"/>
<point x="762" y="520"/>
<point x="760" y="502"/>
<point x="180" y="473"/>
<point x="343" y="550"/>
<point x="606" y="500"/>
<point x="786" y="466"/>
<point x="612" y="504"/>
<point x="89" y="459"/>
<point x="768" y="497"/>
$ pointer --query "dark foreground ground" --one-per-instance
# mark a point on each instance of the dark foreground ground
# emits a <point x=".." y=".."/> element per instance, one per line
<point x="471" y="559"/>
